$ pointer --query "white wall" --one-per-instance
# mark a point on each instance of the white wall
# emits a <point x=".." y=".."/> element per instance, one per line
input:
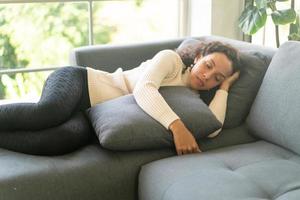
<point x="200" y="13"/>
<point x="223" y="17"/>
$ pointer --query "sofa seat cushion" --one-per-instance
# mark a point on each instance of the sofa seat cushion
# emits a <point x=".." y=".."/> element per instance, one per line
<point x="90" y="173"/>
<point x="258" y="170"/>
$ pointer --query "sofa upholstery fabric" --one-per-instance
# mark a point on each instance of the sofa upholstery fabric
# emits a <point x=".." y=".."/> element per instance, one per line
<point x="92" y="172"/>
<point x="275" y="112"/>
<point x="121" y="124"/>
<point x="259" y="170"/>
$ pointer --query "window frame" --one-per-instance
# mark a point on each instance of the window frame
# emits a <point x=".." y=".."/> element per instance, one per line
<point x="182" y="29"/>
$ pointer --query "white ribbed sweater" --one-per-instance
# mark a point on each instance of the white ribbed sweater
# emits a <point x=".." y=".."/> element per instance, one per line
<point x="164" y="69"/>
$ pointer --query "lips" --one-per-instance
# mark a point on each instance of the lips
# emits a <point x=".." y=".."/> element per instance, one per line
<point x="199" y="82"/>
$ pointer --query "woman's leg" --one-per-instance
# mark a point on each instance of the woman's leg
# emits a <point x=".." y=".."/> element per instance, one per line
<point x="65" y="92"/>
<point x="65" y="138"/>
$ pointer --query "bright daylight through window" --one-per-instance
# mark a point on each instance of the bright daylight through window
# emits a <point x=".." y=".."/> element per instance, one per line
<point x="41" y="35"/>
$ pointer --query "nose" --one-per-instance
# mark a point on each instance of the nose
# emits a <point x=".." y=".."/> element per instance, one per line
<point x="207" y="75"/>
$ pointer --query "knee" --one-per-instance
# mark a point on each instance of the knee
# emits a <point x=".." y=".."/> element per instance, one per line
<point x="53" y="111"/>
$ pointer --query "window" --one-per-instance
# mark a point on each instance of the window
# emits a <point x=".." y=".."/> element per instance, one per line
<point x="37" y="37"/>
<point x="130" y="23"/>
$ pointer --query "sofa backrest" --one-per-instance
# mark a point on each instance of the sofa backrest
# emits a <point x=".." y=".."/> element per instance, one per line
<point x="274" y="115"/>
<point x="111" y="57"/>
<point x="241" y="96"/>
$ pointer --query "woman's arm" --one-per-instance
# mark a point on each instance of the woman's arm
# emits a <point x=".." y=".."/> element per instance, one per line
<point x="165" y="64"/>
<point x="219" y="103"/>
<point x="218" y="106"/>
<point x="183" y="138"/>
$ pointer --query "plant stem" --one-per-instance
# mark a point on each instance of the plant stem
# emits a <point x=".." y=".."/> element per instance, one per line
<point x="292" y="7"/>
<point x="277" y="35"/>
<point x="272" y="5"/>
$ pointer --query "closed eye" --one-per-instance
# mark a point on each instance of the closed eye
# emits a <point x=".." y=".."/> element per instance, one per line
<point x="209" y="66"/>
<point x="219" y="78"/>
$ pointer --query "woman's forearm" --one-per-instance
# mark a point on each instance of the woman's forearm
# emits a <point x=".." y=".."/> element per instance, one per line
<point x="218" y="106"/>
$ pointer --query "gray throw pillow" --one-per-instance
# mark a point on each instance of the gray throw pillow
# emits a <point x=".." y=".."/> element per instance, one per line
<point x="121" y="124"/>
<point x="253" y="66"/>
<point x="243" y="92"/>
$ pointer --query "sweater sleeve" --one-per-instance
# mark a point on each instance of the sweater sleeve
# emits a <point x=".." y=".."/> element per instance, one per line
<point x="218" y="106"/>
<point x="163" y="65"/>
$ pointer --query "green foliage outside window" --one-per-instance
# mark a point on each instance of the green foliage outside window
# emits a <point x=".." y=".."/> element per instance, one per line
<point x="34" y="35"/>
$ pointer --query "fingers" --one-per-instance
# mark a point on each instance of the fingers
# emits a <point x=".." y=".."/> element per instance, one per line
<point x="185" y="151"/>
<point x="231" y="79"/>
<point x="236" y="74"/>
<point x="198" y="150"/>
<point x="188" y="150"/>
<point x="179" y="152"/>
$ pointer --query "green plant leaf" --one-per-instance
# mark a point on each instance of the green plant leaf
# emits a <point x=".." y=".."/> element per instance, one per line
<point x="252" y="19"/>
<point x="261" y="3"/>
<point x="294" y="36"/>
<point x="248" y="3"/>
<point x="282" y="0"/>
<point x="271" y="4"/>
<point x="282" y="17"/>
<point x="295" y="27"/>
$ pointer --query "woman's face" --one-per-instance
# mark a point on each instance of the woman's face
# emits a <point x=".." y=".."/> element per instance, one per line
<point x="209" y="71"/>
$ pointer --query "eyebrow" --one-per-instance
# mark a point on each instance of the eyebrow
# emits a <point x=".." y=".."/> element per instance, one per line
<point x="212" y="60"/>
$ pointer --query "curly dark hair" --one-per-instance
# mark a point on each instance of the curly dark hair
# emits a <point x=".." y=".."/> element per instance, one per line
<point x="189" y="52"/>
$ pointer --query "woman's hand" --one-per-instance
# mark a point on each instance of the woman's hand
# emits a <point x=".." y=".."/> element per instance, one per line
<point x="227" y="83"/>
<point x="184" y="140"/>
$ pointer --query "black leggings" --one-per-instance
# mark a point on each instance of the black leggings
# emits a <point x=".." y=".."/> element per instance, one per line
<point x="65" y="92"/>
<point x="54" y="125"/>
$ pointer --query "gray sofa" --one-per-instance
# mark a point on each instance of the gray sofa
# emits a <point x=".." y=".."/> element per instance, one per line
<point x="93" y="172"/>
<point x="268" y="168"/>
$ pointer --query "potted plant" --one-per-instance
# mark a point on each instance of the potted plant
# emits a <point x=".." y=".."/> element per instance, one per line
<point x="255" y="14"/>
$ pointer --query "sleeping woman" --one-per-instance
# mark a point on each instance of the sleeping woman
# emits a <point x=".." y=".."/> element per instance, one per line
<point x="71" y="89"/>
